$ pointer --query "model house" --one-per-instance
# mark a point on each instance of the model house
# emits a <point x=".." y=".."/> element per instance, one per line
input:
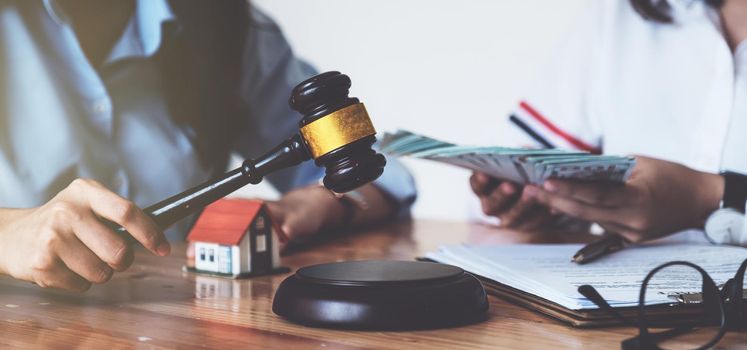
<point x="235" y="237"/>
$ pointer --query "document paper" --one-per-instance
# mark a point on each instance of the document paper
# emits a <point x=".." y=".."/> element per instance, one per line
<point x="547" y="271"/>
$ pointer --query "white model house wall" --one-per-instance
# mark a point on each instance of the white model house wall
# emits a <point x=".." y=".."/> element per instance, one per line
<point x="213" y="257"/>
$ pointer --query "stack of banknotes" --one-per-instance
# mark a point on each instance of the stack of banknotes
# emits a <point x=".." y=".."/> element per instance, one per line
<point x="520" y="165"/>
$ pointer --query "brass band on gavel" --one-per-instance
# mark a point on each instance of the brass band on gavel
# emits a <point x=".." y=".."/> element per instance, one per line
<point x="337" y="129"/>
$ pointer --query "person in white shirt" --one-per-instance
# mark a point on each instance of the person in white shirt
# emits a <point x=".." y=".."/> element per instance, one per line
<point x="664" y="80"/>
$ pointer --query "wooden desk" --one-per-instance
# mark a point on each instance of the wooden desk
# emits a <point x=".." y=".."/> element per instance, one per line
<point x="156" y="305"/>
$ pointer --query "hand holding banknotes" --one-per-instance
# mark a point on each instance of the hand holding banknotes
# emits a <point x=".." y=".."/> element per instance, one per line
<point x="506" y="200"/>
<point x="660" y="198"/>
<point x="500" y="173"/>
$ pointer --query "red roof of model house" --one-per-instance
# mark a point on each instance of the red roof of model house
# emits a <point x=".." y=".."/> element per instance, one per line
<point x="225" y="221"/>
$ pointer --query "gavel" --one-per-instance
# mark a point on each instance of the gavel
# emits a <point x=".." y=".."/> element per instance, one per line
<point x="335" y="131"/>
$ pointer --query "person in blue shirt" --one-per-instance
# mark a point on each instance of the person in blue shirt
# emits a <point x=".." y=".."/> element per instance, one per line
<point x="109" y="106"/>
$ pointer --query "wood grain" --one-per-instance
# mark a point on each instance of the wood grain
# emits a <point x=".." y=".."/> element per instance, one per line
<point x="156" y="305"/>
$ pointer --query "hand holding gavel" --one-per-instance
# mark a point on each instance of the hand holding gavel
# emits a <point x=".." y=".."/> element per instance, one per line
<point x="335" y="131"/>
<point x="70" y="242"/>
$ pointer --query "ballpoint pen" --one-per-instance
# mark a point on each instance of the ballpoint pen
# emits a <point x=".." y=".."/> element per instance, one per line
<point x="607" y="244"/>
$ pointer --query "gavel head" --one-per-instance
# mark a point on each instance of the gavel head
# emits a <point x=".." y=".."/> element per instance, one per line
<point x="337" y="131"/>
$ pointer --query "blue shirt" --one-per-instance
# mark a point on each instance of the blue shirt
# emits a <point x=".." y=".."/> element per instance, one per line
<point x="60" y="118"/>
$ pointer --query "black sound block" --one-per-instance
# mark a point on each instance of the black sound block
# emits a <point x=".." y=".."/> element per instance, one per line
<point x="381" y="295"/>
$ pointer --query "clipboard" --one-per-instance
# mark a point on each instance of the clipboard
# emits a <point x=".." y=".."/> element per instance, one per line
<point x="657" y="315"/>
<point x="660" y="315"/>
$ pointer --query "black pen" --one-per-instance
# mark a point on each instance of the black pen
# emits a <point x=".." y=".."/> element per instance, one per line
<point x="607" y="244"/>
<point x="527" y="129"/>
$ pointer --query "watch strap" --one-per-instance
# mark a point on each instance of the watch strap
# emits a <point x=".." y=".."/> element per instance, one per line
<point x="735" y="190"/>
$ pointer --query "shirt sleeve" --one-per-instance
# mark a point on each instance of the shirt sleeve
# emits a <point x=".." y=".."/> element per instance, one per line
<point x="559" y="106"/>
<point x="271" y="72"/>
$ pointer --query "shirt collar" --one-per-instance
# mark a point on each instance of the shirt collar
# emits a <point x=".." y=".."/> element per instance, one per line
<point x="686" y="10"/>
<point x="143" y="34"/>
<point x="681" y="5"/>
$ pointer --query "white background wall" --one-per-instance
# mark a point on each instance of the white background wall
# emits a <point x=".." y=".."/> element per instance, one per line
<point x="448" y="69"/>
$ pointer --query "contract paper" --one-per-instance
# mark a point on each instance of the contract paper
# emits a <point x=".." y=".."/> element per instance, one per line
<point x="546" y="271"/>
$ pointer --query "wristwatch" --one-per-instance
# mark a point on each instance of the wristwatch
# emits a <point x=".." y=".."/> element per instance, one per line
<point x="727" y="225"/>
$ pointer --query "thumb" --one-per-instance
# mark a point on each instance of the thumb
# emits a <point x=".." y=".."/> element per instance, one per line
<point x="292" y="226"/>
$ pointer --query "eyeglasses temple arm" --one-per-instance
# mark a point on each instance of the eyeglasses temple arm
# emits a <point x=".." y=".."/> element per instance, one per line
<point x="735" y="292"/>
<point x="591" y="293"/>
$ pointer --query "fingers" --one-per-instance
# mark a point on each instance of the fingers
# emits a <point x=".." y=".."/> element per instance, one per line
<point x="629" y="233"/>
<point x="53" y="273"/>
<point x="64" y="244"/>
<point x="112" y="207"/>
<point x="509" y="189"/>
<point x="506" y="201"/>
<point x="64" y="261"/>
<point x="536" y="218"/>
<point x="518" y="211"/>
<point x="500" y="199"/>
<point x="598" y="194"/>
<point x="571" y="207"/>
<point x="293" y="226"/>
<point x="495" y="196"/>
<point x="107" y="245"/>
<point x="83" y="262"/>
<point x="527" y="214"/>
<point x="66" y="279"/>
<point x="482" y="184"/>
<point x="299" y="221"/>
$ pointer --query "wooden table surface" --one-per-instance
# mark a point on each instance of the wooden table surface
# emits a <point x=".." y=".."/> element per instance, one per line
<point x="156" y="305"/>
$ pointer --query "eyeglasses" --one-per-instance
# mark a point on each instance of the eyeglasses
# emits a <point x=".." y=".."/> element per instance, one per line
<point x="722" y="307"/>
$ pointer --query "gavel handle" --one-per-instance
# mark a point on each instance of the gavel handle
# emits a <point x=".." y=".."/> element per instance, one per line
<point x="170" y="210"/>
<point x="165" y="213"/>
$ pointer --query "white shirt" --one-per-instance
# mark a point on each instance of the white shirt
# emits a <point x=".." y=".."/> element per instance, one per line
<point x="625" y="85"/>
